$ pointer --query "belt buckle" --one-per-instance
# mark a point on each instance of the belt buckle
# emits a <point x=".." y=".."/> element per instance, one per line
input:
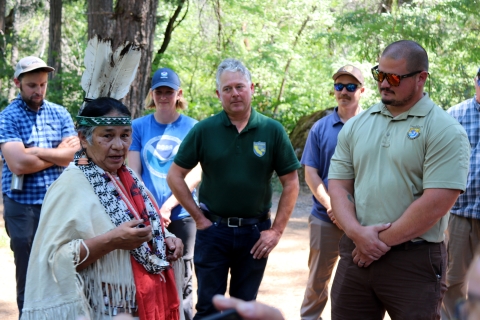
<point x="238" y="222"/>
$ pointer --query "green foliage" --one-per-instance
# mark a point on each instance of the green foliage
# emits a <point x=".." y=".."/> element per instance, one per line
<point x="292" y="48"/>
<point x="74" y="29"/>
<point x="436" y="25"/>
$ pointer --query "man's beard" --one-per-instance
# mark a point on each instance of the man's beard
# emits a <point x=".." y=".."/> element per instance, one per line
<point x="34" y="104"/>
<point x="397" y="103"/>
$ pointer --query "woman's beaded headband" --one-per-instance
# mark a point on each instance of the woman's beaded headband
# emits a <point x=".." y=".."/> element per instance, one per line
<point x="103" y="121"/>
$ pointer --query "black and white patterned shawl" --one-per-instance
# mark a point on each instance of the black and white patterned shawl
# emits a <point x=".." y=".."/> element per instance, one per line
<point x="154" y="260"/>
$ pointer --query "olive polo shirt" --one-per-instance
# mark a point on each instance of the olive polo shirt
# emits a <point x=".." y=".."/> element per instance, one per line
<point x="237" y="167"/>
<point x="392" y="160"/>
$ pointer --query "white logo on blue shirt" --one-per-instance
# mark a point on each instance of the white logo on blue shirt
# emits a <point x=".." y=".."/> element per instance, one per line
<point x="159" y="152"/>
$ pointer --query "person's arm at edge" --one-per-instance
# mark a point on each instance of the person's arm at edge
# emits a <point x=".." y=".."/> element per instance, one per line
<point x="343" y="204"/>
<point x="135" y="163"/>
<point x="317" y="187"/>
<point x="420" y="216"/>
<point x="192" y="179"/>
<point x="270" y="238"/>
<point x="176" y="182"/>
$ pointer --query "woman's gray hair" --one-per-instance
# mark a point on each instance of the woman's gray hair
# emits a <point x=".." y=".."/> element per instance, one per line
<point x="87" y="132"/>
<point x="232" y="65"/>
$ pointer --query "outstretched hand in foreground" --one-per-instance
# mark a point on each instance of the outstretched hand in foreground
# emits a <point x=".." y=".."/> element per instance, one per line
<point x="248" y="310"/>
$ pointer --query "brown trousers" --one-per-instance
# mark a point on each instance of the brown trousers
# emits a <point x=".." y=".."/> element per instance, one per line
<point x="408" y="282"/>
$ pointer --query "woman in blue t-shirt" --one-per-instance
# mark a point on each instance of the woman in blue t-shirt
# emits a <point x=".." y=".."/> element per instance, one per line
<point x="156" y="138"/>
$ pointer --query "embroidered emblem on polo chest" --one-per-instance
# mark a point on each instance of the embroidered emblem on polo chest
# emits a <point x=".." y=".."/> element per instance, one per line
<point x="413" y="132"/>
<point x="259" y="148"/>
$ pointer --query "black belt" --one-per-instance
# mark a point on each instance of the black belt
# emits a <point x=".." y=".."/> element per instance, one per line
<point x="235" y="221"/>
<point x="410" y="245"/>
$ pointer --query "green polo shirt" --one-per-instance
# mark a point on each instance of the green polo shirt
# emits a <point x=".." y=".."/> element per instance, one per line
<point x="392" y="160"/>
<point x="237" y="167"/>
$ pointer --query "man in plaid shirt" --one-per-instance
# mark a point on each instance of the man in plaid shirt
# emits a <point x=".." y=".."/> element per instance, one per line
<point x="37" y="139"/>
<point x="463" y="230"/>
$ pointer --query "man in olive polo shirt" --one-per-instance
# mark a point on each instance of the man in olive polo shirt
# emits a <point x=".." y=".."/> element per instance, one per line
<point x="397" y="170"/>
<point x="238" y="149"/>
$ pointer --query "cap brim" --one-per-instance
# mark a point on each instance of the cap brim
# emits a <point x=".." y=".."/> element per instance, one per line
<point x="338" y="74"/>
<point x="165" y="84"/>
<point x="46" y="68"/>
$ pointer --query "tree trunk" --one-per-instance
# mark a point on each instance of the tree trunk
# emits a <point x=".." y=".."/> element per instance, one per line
<point x="3" y="11"/>
<point x="99" y="18"/>
<point x="3" y="40"/>
<point x="55" y="47"/>
<point x="14" y="51"/>
<point x="132" y="21"/>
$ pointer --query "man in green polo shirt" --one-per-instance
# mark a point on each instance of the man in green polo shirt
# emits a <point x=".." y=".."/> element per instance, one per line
<point x="397" y="170"/>
<point x="238" y="149"/>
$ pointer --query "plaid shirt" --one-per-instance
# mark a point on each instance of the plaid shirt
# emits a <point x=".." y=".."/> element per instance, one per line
<point x="44" y="129"/>
<point x="468" y="114"/>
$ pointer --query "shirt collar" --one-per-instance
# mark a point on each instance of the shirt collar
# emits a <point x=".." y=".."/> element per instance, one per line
<point x="336" y="118"/>
<point x="252" y="121"/>
<point x="419" y="109"/>
<point x="476" y="104"/>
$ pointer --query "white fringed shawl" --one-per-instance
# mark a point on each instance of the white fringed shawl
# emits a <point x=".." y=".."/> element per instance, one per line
<point x="71" y="212"/>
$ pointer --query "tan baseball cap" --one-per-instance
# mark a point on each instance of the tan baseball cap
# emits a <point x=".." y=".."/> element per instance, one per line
<point x="351" y="71"/>
<point x="29" y="64"/>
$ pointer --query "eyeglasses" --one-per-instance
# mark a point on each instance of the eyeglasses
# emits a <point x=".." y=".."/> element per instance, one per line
<point x="351" y="87"/>
<point x="392" y="79"/>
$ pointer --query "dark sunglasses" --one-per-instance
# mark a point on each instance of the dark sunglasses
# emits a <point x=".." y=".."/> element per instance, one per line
<point x="392" y="79"/>
<point x="351" y="87"/>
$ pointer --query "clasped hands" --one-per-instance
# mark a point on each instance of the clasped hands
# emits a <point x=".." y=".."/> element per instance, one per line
<point x="368" y="246"/>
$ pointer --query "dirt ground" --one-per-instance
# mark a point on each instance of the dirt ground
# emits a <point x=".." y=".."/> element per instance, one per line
<point x="283" y="284"/>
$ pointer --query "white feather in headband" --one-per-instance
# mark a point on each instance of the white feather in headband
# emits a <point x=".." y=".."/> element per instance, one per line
<point x="107" y="73"/>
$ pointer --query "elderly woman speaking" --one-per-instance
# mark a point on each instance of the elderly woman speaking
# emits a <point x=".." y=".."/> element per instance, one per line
<point x="101" y="247"/>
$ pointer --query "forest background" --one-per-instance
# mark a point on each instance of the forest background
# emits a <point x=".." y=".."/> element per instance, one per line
<point x="292" y="48"/>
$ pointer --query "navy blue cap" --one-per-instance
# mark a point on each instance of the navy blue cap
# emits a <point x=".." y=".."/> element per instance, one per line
<point x="165" y="77"/>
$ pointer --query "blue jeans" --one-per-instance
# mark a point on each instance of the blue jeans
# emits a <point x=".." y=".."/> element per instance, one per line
<point x="219" y="249"/>
<point x="21" y="222"/>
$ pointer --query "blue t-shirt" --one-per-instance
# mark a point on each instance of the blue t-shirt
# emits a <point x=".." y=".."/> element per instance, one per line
<point x="158" y="144"/>
<point x="318" y="151"/>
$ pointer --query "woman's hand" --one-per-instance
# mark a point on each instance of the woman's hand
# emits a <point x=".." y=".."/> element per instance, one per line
<point x="127" y="236"/>
<point x="174" y="248"/>
<point x="166" y="212"/>
<point x="130" y="235"/>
